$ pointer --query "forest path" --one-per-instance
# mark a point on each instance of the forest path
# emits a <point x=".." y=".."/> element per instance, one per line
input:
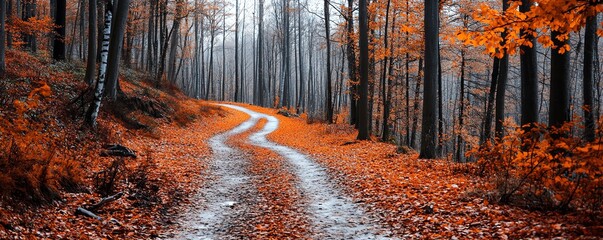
<point x="230" y="197"/>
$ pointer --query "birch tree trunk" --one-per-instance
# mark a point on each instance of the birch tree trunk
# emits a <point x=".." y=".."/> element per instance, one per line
<point x="94" y="108"/>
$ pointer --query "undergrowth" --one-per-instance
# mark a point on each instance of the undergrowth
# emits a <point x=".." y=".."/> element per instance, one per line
<point x="545" y="168"/>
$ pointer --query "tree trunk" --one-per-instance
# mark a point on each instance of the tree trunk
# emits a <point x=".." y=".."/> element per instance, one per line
<point x="58" y="51"/>
<point x="175" y="35"/>
<point x="415" y="112"/>
<point x="237" y="97"/>
<point x="490" y="101"/>
<point x="501" y="87"/>
<point x="529" y="77"/>
<point x="329" y="92"/>
<point x="115" y="46"/>
<point x="91" y="61"/>
<point x="351" y="54"/>
<point x="559" y="108"/>
<point x="2" y="37"/>
<point x="589" y="51"/>
<point x="92" y="113"/>
<point x="429" y="137"/>
<point x="460" y="141"/>
<point x="260" y="53"/>
<point x="363" y="120"/>
<point x="385" y="78"/>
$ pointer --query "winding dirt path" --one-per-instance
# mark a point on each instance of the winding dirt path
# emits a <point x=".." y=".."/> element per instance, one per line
<point x="230" y="195"/>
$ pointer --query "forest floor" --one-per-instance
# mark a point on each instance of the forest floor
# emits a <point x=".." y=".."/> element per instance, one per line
<point x="231" y="171"/>
<point x="316" y="181"/>
<point x="50" y="161"/>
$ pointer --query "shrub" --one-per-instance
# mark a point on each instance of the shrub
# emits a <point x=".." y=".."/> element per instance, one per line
<point x="545" y="168"/>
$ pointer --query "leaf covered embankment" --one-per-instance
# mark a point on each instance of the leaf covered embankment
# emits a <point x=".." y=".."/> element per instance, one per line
<point x="50" y="160"/>
<point x="420" y="198"/>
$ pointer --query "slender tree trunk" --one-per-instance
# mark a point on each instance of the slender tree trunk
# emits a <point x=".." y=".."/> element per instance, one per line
<point x="58" y="51"/>
<point x="9" y="14"/>
<point x="115" y="48"/>
<point x="487" y="133"/>
<point x="589" y="51"/>
<point x="329" y="95"/>
<point x="363" y="120"/>
<point x="351" y="54"/>
<point x="385" y="78"/>
<point x="415" y="112"/>
<point x="501" y="88"/>
<point x="2" y="37"/>
<point x="286" y="102"/>
<point x="91" y="61"/>
<point x="260" y="53"/>
<point x="300" y="101"/>
<point x="222" y="98"/>
<point x="429" y="137"/>
<point x="82" y="26"/>
<point x="237" y="98"/>
<point x="460" y="140"/>
<point x="151" y="36"/>
<point x="175" y="35"/>
<point x="92" y="113"/>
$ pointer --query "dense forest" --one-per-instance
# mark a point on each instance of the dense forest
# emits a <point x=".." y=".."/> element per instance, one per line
<point x="506" y="90"/>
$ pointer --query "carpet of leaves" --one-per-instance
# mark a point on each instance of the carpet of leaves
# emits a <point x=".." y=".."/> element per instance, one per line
<point x="420" y="198"/>
<point x="171" y="154"/>
<point x="279" y="213"/>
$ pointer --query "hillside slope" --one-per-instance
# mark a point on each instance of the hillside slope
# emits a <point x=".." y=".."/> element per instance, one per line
<point x="50" y="160"/>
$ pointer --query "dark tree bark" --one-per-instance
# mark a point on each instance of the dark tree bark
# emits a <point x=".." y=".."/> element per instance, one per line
<point x="415" y="112"/>
<point x="237" y="98"/>
<point x="460" y="141"/>
<point x="529" y="76"/>
<point x="589" y="51"/>
<point x="385" y="79"/>
<point x="301" y="99"/>
<point x="260" y="53"/>
<point x="490" y="101"/>
<point x="329" y="92"/>
<point x="559" y="108"/>
<point x="58" y="51"/>
<point x="285" y="99"/>
<point x="363" y="118"/>
<point x="91" y="61"/>
<point x="9" y="14"/>
<point x="174" y="42"/>
<point x="2" y="37"/>
<point x="115" y="46"/>
<point x="501" y="88"/>
<point x="351" y="54"/>
<point x="429" y="137"/>
<point x="30" y="12"/>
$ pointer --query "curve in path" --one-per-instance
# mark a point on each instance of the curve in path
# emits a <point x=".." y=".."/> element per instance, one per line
<point x="333" y="215"/>
<point x="226" y="194"/>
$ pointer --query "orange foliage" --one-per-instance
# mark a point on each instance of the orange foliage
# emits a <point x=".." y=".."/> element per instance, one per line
<point x="549" y="15"/>
<point x="551" y="172"/>
<point x="45" y="154"/>
<point x="419" y="198"/>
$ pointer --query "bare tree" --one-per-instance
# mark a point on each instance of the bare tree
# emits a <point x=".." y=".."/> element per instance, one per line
<point x="115" y="46"/>
<point x="429" y="136"/>
<point x="91" y="61"/>
<point x="363" y="118"/>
